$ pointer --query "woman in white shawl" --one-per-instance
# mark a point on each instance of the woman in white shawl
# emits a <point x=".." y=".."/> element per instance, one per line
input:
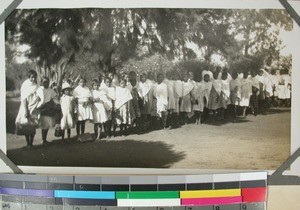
<point x="29" y="101"/>
<point x="235" y="92"/>
<point x="186" y="103"/>
<point x="246" y="92"/>
<point x="214" y="97"/>
<point x="123" y="107"/>
<point x="83" y="98"/>
<point x="111" y="96"/>
<point x="160" y="92"/>
<point x="225" y="95"/>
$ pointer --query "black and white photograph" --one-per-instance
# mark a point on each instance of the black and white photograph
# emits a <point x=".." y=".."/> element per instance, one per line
<point x="174" y="88"/>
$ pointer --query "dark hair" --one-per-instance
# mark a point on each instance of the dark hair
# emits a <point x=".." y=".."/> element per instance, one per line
<point x="95" y="81"/>
<point x="82" y="78"/>
<point x="31" y="72"/>
<point x="122" y="80"/>
<point x="44" y="78"/>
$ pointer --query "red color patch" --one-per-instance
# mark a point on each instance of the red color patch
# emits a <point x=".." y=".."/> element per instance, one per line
<point x="258" y="194"/>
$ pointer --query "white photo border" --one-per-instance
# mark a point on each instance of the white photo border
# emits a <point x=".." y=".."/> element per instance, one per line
<point x="215" y="4"/>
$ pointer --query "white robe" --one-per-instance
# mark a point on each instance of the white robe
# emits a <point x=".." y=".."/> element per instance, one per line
<point x="83" y="95"/>
<point x="160" y="92"/>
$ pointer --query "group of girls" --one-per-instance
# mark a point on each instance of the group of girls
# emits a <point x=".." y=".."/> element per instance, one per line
<point x="148" y="102"/>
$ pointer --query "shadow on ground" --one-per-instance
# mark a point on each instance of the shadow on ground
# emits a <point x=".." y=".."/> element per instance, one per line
<point x="103" y="153"/>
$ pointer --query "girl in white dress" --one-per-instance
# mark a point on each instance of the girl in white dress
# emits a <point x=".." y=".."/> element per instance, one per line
<point x="186" y="103"/>
<point x="99" y="112"/>
<point x="123" y="107"/>
<point x="83" y="98"/>
<point x="67" y="102"/>
<point x="246" y="92"/>
<point x="29" y="101"/>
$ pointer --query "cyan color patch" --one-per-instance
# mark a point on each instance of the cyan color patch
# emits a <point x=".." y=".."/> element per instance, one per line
<point x="84" y="194"/>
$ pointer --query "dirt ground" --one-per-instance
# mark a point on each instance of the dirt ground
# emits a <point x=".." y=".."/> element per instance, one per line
<point x="261" y="142"/>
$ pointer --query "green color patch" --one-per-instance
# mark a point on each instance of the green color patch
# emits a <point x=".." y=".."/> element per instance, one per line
<point x="147" y="195"/>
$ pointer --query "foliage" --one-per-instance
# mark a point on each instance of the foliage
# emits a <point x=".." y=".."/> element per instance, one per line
<point x="67" y="42"/>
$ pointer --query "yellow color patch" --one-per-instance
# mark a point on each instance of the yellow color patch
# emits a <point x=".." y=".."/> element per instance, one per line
<point x="210" y="193"/>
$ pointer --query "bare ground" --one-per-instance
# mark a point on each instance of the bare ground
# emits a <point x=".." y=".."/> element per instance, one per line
<point x="261" y="142"/>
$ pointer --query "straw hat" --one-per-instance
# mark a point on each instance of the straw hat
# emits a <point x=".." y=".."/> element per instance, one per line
<point x="66" y="86"/>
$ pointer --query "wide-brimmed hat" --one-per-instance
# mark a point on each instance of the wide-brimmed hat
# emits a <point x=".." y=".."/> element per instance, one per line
<point x="66" y="86"/>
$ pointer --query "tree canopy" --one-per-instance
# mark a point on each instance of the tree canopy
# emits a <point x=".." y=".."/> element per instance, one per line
<point x="65" y="42"/>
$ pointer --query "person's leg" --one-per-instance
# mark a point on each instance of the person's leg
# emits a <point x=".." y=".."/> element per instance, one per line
<point x="69" y="133"/>
<point x="27" y="140"/>
<point x="78" y="123"/>
<point x="63" y="135"/>
<point x="96" y="125"/>
<point x="83" y="127"/>
<point x="44" y="135"/>
<point x="31" y="138"/>
<point x="164" y="119"/>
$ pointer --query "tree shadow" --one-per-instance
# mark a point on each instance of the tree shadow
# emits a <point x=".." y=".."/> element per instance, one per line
<point x="103" y="153"/>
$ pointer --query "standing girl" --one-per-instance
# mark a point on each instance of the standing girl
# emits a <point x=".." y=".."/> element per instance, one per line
<point x="186" y="104"/>
<point x="123" y="107"/>
<point x="225" y="95"/>
<point x="48" y="106"/>
<point x="99" y="112"/>
<point x="110" y="92"/>
<point x="83" y="98"/>
<point x="214" y="97"/>
<point x="246" y="91"/>
<point x="235" y="92"/>
<point x="67" y="102"/>
<point x="29" y="101"/>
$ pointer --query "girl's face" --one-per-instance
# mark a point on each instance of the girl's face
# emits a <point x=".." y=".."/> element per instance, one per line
<point x="185" y="78"/>
<point x="45" y="84"/>
<point x="67" y="91"/>
<point x="245" y="76"/>
<point x="206" y="78"/>
<point x="234" y="75"/>
<point x="108" y="82"/>
<point x="215" y="74"/>
<point x="160" y="78"/>
<point x="224" y="76"/>
<point x="122" y="84"/>
<point x="95" y="86"/>
<point x="32" y="78"/>
<point x="82" y="83"/>
<point x="143" y="78"/>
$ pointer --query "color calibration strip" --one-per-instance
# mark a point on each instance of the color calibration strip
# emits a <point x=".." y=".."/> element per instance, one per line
<point x="217" y="191"/>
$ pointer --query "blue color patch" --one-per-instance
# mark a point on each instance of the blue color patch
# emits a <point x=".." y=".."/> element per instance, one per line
<point x="84" y="194"/>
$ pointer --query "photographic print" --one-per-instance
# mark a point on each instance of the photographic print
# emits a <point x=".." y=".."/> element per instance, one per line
<point x="176" y="88"/>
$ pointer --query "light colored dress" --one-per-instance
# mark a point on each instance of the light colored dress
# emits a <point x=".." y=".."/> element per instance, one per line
<point x="186" y="104"/>
<point x="214" y="97"/>
<point x="28" y="93"/>
<point x="83" y="95"/>
<point x="67" y="108"/>
<point x="144" y="92"/>
<point x="171" y="97"/>
<point x="45" y="95"/>
<point x="99" y="111"/>
<point x="246" y="92"/>
<point x="225" y="94"/>
<point x="283" y="89"/>
<point x="160" y="92"/>
<point x="235" y="91"/>
<point x="198" y="94"/>
<point x="178" y="89"/>
<point x="111" y="96"/>
<point x="123" y="106"/>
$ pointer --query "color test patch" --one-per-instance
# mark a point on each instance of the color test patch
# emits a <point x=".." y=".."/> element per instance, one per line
<point x="210" y="193"/>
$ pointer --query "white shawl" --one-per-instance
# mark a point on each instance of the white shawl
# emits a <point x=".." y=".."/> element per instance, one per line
<point x="123" y="95"/>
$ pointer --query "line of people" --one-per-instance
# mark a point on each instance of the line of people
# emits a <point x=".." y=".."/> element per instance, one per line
<point x="148" y="103"/>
